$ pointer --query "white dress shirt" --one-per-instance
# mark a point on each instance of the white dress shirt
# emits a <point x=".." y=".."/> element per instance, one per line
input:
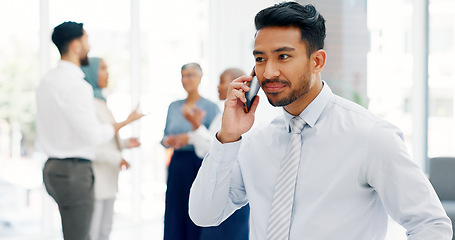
<point x="201" y="138"/>
<point x="354" y="171"/>
<point x="66" y="120"/>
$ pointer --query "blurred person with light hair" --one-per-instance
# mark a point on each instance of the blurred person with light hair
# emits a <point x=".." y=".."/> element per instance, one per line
<point x="184" y="161"/>
<point x="68" y="131"/>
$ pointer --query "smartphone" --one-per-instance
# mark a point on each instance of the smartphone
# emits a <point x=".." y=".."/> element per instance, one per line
<point x="251" y="95"/>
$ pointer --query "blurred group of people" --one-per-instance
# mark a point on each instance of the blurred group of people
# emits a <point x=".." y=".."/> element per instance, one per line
<point x="79" y="135"/>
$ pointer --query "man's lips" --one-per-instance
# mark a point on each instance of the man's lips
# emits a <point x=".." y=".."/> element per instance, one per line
<point x="273" y="86"/>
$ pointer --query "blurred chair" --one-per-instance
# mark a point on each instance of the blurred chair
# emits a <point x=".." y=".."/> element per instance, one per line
<point x="442" y="177"/>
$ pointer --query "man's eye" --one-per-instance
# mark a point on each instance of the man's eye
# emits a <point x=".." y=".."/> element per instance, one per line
<point x="259" y="59"/>
<point x="284" y="56"/>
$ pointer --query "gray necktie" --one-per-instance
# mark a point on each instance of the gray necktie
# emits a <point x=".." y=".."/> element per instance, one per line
<point x="283" y="199"/>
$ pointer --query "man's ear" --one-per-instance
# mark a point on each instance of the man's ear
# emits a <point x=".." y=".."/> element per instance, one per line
<point x="318" y="60"/>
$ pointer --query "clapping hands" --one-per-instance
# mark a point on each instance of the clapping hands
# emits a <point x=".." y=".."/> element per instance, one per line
<point x="194" y="115"/>
<point x="176" y="141"/>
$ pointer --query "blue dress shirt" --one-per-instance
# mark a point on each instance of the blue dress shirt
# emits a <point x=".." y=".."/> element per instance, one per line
<point x="354" y="171"/>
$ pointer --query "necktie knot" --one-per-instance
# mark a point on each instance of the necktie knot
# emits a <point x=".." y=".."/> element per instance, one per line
<point x="296" y="125"/>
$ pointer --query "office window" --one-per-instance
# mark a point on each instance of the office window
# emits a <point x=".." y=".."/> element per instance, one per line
<point x="390" y="60"/>
<point x="441" y="127"/>
<point x="19" y="75"/>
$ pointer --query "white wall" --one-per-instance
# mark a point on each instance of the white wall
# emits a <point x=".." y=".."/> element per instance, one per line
<point x="231" y="34"/>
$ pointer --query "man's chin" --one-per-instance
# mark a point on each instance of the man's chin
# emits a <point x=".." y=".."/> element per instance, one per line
<point x="278" y="102"/>
<point x="274" y="100"/>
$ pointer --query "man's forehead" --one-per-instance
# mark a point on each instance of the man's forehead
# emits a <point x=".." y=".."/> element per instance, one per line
<point x="274" y="38"/>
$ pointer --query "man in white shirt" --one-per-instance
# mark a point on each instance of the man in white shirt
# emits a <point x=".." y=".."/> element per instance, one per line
<point x="68" y="131"/>
<point x="353" y="168"/>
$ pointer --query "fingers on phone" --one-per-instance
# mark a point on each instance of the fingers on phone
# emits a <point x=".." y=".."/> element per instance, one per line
<point x="241" y="86"/>
<point x="238" y="93"/>
<point x="255" y="104"/>
<point x="242" y="79"/>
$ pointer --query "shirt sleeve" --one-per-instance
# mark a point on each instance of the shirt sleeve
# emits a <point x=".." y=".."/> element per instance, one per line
<point x="218" y="188"/>
<point x="201" y="140"/>
<point x="79" y="109"/>
<point x="124" y="143"/>
<point x="404" y="190"/>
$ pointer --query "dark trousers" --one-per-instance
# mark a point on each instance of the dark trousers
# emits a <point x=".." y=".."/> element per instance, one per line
<point x="236" y="227"/>
<point x="70" y="183"/>
<point x="182" y="172"/>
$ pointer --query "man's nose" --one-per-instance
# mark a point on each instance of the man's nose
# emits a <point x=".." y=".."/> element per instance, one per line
<point x="271" y="71"/>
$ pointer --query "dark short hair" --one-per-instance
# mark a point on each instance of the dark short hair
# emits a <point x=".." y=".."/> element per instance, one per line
<point x="292" y="14"/>
<point x="193" y="65"/>
<point x="66" y="32"/>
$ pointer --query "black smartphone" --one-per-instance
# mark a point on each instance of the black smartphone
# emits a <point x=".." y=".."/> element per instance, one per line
<point x="251" y="95"/>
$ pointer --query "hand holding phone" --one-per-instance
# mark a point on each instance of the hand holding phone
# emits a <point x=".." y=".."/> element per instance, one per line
<point x="251" y="94"/>
<point x="241" y="97"/>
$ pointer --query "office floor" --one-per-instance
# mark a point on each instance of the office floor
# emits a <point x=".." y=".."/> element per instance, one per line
<point x="146" y="230"/>
<point x="28" y="228"/>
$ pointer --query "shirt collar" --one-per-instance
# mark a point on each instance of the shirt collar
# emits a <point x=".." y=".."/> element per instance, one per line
<point x="312" y="112"/>
<point x="76" y="70"/>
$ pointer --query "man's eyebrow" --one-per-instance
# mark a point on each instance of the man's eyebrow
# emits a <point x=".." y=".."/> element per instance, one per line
<point x="257" y="52"/>
<point x="283" y="49"/>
